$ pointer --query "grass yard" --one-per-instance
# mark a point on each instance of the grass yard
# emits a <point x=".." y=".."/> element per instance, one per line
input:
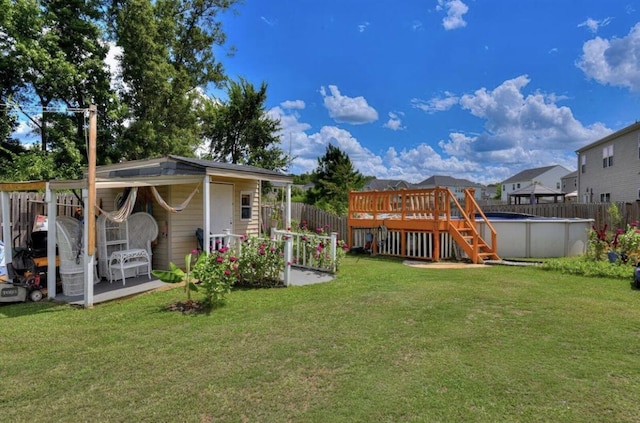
<point x="382" y="343"/>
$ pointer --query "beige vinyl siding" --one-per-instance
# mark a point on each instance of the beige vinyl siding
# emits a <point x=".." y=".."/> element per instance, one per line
<point x="182" y="226"/>
<point x="246" y="227"/>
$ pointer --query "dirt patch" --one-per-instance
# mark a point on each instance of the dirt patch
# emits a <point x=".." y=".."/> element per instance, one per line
<point x="442" y="264"/>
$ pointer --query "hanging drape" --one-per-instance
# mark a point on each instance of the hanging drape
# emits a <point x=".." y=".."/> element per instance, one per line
<point x="173" y="209"/>
<point x="123" y="212"/>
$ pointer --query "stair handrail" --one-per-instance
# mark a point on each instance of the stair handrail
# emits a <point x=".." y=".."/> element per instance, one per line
<point x="469" y="197"/>
<point x="474" y="231"/>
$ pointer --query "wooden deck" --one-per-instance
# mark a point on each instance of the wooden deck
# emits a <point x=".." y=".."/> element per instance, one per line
<point x="419" y="224"/>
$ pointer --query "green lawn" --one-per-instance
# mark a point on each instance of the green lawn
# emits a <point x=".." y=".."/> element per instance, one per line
<point x="381" y="343"/>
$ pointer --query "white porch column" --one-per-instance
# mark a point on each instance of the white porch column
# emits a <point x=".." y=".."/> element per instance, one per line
<point x="6" y="227"/>
<point x="88" y="260"/>
<point x="51" y="198"/>
<point x="287" y="225"/>
<point x="334" y="250"/>
<point x="206" y="219"/>
<point x="288" y="257"/>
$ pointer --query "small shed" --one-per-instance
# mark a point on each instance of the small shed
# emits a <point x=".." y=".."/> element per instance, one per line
<point x="182" y="194"/>
<point x="533" y="193"/>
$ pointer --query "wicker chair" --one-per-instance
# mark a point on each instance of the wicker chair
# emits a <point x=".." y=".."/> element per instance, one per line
<point x="143" y="230"/>
<point x="69" y="239"/>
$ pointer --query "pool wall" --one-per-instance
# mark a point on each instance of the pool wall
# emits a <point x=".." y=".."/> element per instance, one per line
<point x="538" y="237"/>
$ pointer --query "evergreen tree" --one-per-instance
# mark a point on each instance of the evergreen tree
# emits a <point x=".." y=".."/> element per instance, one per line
<point x="334" y="178"/>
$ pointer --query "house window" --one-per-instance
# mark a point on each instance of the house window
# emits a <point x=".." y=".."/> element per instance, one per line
<point x="513" y="187"/>
<point x="607" y="156"/>
<point x="245" y="205"/>
<point x="518" y="186"/>
<point x="557" y="185"/>
<point x="605" y="198"/>
<point x="583" y="163"/>
<point x="639" y="146"/>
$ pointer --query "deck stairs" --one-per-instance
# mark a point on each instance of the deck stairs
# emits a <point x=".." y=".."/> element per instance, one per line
<point x="464" y="231"/>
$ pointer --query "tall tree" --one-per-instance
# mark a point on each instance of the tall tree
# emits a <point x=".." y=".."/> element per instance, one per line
<point x="55" y="58"/>
<point x="167" y="57"/>
<point x="334" y="177"/>
<point x="240" y="131"/>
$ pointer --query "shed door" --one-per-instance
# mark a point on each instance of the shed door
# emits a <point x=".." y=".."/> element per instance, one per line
<point x="221" y="208"/>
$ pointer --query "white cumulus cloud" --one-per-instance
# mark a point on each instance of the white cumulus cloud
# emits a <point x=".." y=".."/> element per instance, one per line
<point x="293" y="104"/>
<point x="455" y="10"/>
<point x="614" y="61"/>
<point x="436" y="104"/>
<point x="353" y="110"/>
<point x="394" y="123"/>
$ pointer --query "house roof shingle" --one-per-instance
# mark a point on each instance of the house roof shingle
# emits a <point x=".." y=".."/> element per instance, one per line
<point x="528" y="174"/>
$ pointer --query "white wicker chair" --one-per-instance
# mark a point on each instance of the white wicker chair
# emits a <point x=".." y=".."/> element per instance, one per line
<point x="69" y="239"/>
<point x="143" y="230"/>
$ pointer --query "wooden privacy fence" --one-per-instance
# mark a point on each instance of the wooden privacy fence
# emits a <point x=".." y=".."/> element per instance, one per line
<point x="599" y="212"/>
<point x="300" y="212"/>
<point x="25" y="206"/>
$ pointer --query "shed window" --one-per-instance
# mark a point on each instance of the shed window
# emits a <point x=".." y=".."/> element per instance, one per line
<point x="245" y="205"/>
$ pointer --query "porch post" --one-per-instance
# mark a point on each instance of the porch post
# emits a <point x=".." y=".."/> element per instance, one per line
<point x="6" y="227"/>
<point x="334" y="248"/>
<point x="88" y="260"/>
<point x="287" y="225"/>
<point x="288" y="254"/>
<point x="51" y="198"/>
<point x="206" y="224"/>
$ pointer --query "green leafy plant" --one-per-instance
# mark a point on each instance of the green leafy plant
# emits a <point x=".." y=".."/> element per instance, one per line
<point x="629" y="243"/>
<point x="177" y="275"/>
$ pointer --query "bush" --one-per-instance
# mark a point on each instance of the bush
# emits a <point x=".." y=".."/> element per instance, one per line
<point x="261" y="262"/>
<point x="217" y="272"/>
<point x="586" y="266"/>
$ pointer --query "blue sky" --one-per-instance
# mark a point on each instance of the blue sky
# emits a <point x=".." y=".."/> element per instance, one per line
<point x="471" y="89"/>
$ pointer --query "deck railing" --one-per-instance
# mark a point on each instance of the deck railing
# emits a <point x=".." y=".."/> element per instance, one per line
<point x="404" y="204"/>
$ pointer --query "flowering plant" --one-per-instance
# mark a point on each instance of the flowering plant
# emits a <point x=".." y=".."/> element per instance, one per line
<point x="261" y="262"/>
<point x="217" y="272"/>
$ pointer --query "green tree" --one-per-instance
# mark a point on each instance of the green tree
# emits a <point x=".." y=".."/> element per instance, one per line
<point x="167" y="56"/>
<point x="334" y="178"/>
<point x="240" y="131"/>
<point x="54" y="58"/>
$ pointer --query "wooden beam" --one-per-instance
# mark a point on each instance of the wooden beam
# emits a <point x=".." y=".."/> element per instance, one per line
<point x="90" y="212"/>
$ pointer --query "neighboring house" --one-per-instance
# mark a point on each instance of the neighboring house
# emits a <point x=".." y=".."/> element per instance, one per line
<point x="386" y="185"/>
<point x="457" y="186"/>
<point x="569" y="185"/>
<point x="608" y="169"/>
<point x="548" y="176"/>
